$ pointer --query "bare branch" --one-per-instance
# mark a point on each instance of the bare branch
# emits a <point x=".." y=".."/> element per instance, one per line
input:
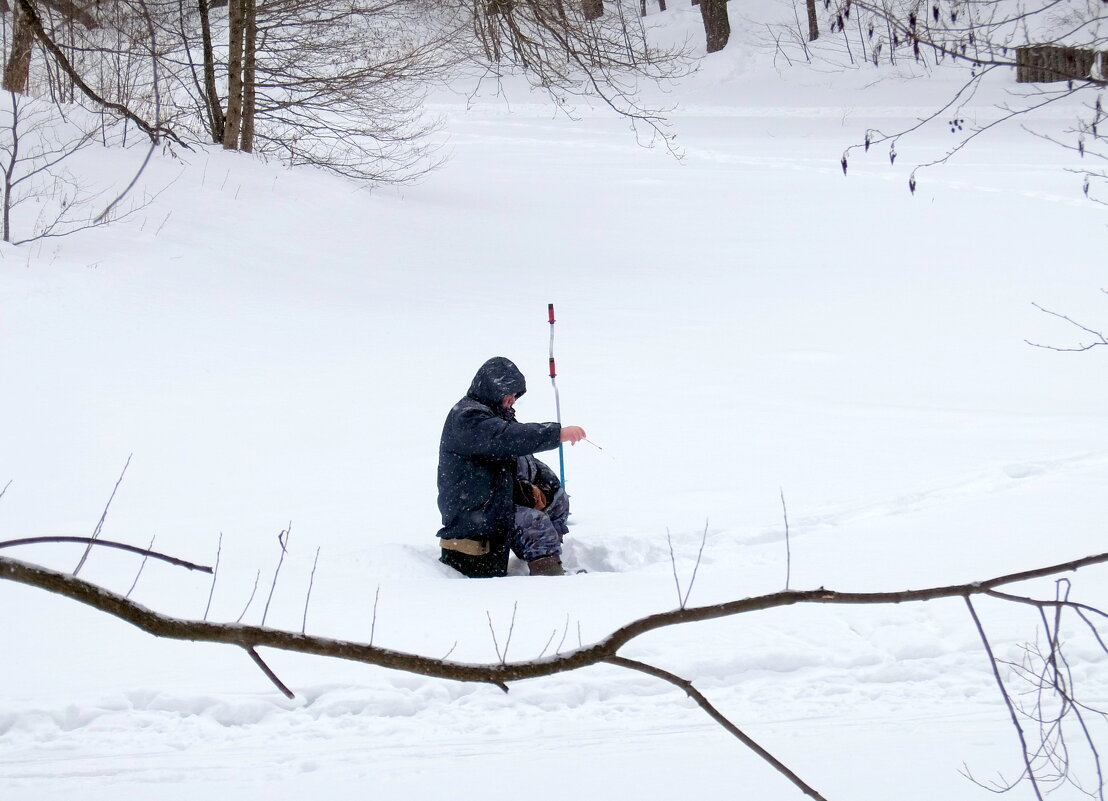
<point x="269" y="673"/>
<point x="696" y="567"/>
<point x="236" y="634"/>
<point x="511" y="629"/>
<point x="107" y="544"/>
<point x="673" y="564"/>
<point x="788" y="546"/>
<point x="142" y="564"/>
<point x="503" y="671"/>
<point x="308" y="597"/>
<point x="542" y="653"/>
<point x="718" y="717"/>
<point x="562" y="641"/>
<point x="104" y="514"/>
<point x="373" y="625"/>
<point x="103" y="215"/>
<point x="1029" y="770"/>
<point x="1100" y="338"/>
<point x="155" y="132"/>
<point x="250" y="600"/>
<point x="215" y="575"/>
<point x="282" y="540"/>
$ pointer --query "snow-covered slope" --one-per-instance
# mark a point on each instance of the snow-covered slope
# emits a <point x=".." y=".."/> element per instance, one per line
<point x="277" y="345"/>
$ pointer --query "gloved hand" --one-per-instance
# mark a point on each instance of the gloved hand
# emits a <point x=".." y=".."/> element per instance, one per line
<point x="540" y="498"/>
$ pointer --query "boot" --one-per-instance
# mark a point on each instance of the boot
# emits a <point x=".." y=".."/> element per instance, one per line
<point x="546" y="566"/>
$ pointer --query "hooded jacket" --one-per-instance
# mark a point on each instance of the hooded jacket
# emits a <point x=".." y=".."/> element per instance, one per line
<point x="481" y="441"/>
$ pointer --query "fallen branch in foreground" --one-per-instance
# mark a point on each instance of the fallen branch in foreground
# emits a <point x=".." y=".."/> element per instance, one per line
<point x="250" y="638"/>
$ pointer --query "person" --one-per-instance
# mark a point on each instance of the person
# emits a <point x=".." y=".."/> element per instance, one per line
<point x="494" y="495"/>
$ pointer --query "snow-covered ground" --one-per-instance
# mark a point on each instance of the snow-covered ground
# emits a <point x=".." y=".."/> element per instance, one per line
<point x="279" y="346"/>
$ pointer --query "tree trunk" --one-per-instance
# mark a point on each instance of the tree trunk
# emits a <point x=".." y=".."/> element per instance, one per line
<point x="9" y="172"/>
<point x="813" y="21"/>
<point x="214" y="107"/>
<point x="249" y="52"/>
<point x="17" y="70"/>
<point x="593" y="9"/>
<point x="236" y="37"/>
<point x="717" y="25"/>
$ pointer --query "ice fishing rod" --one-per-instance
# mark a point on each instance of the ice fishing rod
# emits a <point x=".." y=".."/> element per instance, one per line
<point x="557" y="398"/>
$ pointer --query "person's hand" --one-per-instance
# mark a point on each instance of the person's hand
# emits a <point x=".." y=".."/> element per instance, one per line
<point x="540" y="498"/>
<point x="572" y="434"/>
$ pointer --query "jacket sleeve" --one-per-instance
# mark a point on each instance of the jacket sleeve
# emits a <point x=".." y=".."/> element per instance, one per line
<point x="479" y="432"/>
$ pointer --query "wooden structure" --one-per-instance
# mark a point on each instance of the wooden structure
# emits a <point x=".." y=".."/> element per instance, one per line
<point x="1050" y="63"/>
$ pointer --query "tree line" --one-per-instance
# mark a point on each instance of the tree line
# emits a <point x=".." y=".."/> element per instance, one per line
<point x="338" y="84"/>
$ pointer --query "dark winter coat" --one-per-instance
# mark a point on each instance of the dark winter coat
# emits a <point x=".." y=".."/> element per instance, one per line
<point x="480" y="443"/>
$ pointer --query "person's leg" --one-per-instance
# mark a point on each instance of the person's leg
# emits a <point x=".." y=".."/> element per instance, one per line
<point x="558" y="511"/>
<point x="493" y="564"/>
<point x="536" y="541"/>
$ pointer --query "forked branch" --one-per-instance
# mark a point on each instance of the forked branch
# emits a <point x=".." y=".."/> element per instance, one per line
<point x="499" y="674"/>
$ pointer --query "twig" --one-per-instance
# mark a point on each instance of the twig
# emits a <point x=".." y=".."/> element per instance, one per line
<point x="696" y="567"/>
<point x="103" y="517"/>
<point x="269" y="673"/>
<point x="495" y="644"/>
<point x="373" y="624"/>
<point x="119" y="198"/>
<point x="1092" y="627"/>
<point x="1077" y="607"/>
<point x="788" y="546"/>
<point x="250" y="601"/>
<point x="718" y="717"/>
<point x="308" y="597"/>
<point x="673" y="564"/>
<point x="215" y="575"/>
<point x="2" y="491"/>
<point x="502" y="657"/>
<point x="542" y="653"/>
<point x="1030" y="771"/>
<point x="511" y="630"/>
<point x="282" y="540"/>
<point x="1101" y="340"/>
<point x="142" y="564"/>
<point x="562" y="641"/>
<point x="122" y="546"/>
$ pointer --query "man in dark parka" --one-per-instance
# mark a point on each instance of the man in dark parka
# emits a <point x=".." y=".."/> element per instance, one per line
<point x="482" y="453"/>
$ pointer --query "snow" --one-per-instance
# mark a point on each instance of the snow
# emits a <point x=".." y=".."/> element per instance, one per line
<point x="736" y="328"/>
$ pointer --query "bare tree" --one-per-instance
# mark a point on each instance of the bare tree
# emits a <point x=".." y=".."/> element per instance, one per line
<point x="333" y="83"/>
<point x="17" y="67"/>
<point x="1060" y="718"/>
<point x="562" y="52"/>
<point x="75" y="55"/>
<point x="41" y="193"/>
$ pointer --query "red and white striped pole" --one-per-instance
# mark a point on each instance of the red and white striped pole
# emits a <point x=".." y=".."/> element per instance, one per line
<point x="557" y="399"/>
